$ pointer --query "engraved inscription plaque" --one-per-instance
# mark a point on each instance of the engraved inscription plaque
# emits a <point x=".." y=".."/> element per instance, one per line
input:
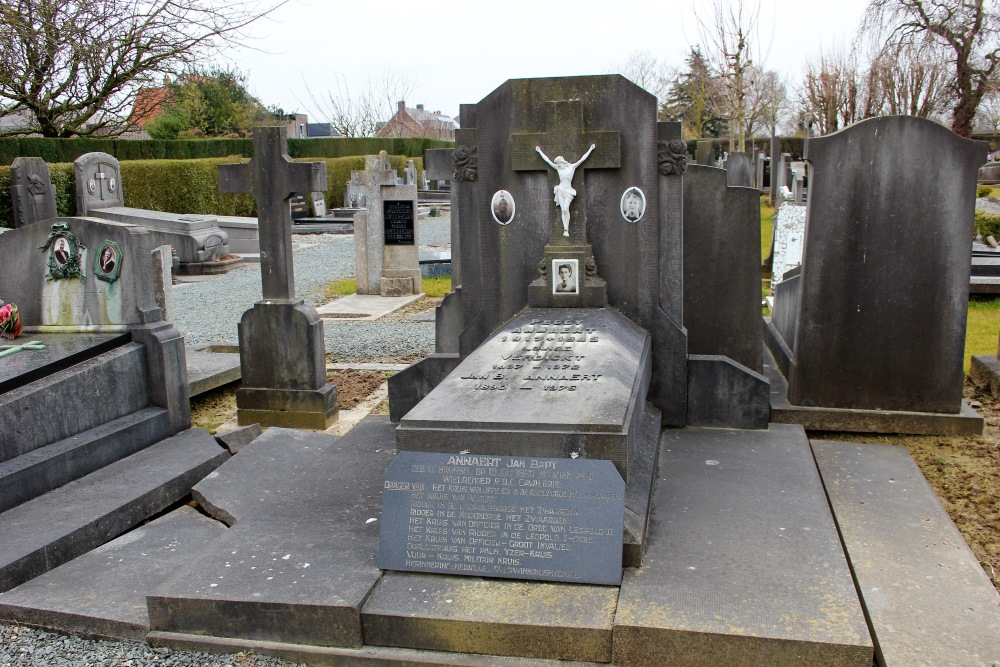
<point x="398" y="220"/>
<point x="513" y="517"/>
<point x="297" y="206"/>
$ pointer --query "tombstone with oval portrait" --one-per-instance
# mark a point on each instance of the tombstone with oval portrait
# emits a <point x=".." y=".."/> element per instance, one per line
<point x="633" y="204"/>
<point x="502" y="207"/>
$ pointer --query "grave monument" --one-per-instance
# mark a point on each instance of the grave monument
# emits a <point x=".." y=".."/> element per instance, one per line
<point x="32" y="194"/>
<point x="282" y="353"/>
<point x="386" y="246"/>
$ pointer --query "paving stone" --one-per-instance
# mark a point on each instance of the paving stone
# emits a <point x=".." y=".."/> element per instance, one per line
<point x="237" y="439"/>
<point x="474" y="615"/>
<point x="743" y="564"/>
<point x="103" y="592"/>
<point x="927" y="598"/>
<point x="208" y="369"/>
<point x="60" y="525"/>
<point x="298" y="565"/>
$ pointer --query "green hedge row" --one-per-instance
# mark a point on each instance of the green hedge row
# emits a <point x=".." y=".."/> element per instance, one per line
<point x="186" y="186"/>
<point x="67" y="150"/>
<point x="793" y="145"/>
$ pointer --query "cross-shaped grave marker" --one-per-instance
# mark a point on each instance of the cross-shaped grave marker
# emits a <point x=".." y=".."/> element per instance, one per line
<point x="564" y="135"/>
<point x="272" y="178"/>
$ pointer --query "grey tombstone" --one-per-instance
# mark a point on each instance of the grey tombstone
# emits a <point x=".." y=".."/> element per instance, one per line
<point x="354" y="192"/>
<point x="775" y="153"/>
<point x="507" y="267"/>
<point x="410" y="173"/>
<point x="799" y="191"/>
<point x="282" y="353"/>
<point x="704" y="154"/>
<point x="438" y="164"/>
<point x="739" y="169"/>
<point x="31" y="191"/>
<point x="98" y="183"/>
<point x="880" y="310"/>
<point x="722" y="302"/>
<point x="386" y="248"/>
<point x="318" y="204"/>
<point x="758" y="176"/>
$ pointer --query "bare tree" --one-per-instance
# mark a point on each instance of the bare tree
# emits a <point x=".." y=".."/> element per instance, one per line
<point x="770" y="92"/>
<point x="74" y="66"/>
<point x="836" y="91"/>
<point x="912" y="79"/>
<point x="361" y="111"/>
<point x="969" y="30"/>
<point x="989" y="111"/>
<point x="646" y="71"/>
<point x="730" y="36"/>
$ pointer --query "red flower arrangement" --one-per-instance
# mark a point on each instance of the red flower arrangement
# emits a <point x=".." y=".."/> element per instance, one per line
<point x="10" y="321"/>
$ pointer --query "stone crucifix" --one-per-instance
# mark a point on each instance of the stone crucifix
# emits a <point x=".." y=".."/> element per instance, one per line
<point x="565" y="136"/>
<point x="272" y="177"/>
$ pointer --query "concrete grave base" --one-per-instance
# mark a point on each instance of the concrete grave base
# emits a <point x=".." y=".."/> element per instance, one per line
<point x="290" y="408"/>
<point x="985" y="373"/>
<point x="966" y="422"/>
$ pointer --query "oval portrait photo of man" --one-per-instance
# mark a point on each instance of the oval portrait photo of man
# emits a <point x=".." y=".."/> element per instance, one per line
<point x="633" y="205"/>
<point x="502" y="207"/>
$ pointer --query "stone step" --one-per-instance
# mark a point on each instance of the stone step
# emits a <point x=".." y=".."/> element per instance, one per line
<point x="103" y="592"/>
<point x="62" y="524"/>
<point x="300" y="560"/>
<point x="743" y="564"/>
<point x="927" y="599"/>
<point x="73" y="400"/>
<point x="51" y="466"/>
<point x="525" y="619"/>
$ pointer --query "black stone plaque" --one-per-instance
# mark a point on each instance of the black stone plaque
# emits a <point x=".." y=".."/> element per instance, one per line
<point x="514" y="517"/>
<point x="297" y="205"/>
<point x="397" y="215"/>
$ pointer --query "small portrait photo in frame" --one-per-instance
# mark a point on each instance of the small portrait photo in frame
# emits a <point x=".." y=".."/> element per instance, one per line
<point x="633" y="204"/>
<point x="502" y="207"/>
<point x="565" y="276"/>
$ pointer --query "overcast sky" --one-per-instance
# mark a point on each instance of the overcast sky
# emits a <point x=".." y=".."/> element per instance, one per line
<point x="455" y="53"/>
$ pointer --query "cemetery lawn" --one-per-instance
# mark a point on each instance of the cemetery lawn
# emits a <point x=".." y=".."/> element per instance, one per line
<point x="766" y="228"/>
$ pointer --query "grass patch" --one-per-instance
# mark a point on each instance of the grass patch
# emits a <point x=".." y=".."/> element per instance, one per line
<point x="981" y="328"/>
<point x="436" y="286"/>
<point x="766" y="229"/>
<point x="340" y="287"/>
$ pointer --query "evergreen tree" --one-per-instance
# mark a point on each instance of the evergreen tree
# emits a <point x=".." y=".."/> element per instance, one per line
<point x="690" y="99"/>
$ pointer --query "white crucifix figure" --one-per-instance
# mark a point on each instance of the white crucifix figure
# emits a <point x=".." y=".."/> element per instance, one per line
<point x="564" y="192"/>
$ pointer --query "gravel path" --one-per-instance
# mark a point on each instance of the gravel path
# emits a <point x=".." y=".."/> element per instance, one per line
<point x="209" y="311"/>
<point x="26" y="647"/>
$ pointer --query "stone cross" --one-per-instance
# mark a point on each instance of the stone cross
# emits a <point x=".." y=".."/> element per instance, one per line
<point x="273" y="178"/>
<point x="565" y="135"/>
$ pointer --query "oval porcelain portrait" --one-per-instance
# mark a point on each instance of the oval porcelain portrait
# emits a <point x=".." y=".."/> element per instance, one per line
<point x="633" y="204"/>
<point x="502" y="207"/>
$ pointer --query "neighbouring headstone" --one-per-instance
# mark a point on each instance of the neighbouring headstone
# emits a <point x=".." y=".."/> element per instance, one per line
<point x="297" y="206"/>
<point x="318" y="201"/>
<point x="199" y="241"/>
<point x="722" y="300"/>
<point x="282" y="352"/>
<point x="758" y="176"/>
<point x="410" y="173"/>
<point x="739" y="170"/>
<point x="354" y="192"/>
<point x="885" y="271"/>
<point x="775" y="157"/>
<point x="799" y="188"/>
<point x="782" y="174"/>
<point x="513" y="517"/>
<point x="704" y="153"/>
<point x="789" y="234"/>
<point x="386" y="249"/>
<point x="32" y="194"/>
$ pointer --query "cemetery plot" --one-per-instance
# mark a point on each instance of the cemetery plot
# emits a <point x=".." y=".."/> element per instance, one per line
<point x="502" y="516"/>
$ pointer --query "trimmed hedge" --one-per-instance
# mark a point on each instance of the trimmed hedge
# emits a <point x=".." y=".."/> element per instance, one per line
<point x="67" y="150"/>
<point x="186" y="186"/>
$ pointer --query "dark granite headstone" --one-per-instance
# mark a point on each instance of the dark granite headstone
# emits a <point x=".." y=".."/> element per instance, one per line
<point x="704" y="154"/>
<point x="32" y="194"/>
<point x="639" y="263"/>
<point x="501" y="516"/>
<point x="885" y="271"/>
<point x="282" y="353"/>
<point x="297" y="206"/>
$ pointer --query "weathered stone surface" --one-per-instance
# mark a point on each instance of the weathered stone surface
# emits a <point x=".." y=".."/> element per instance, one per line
<point x="438" y="163"/>
<point x="725" y="394"/>
<point x="926" y="596"/>
<point x="98" y="182"/>
<point x="209" y="369"/>
<point x="722" y="267"/>
<point x="237" y="439"/>
<point x="73" y="519"/>
<point x="410" y="386"/>
<point x="33" y="197"/>
<point x="103" y="592"/>
<point x="299" y="566"/>
<point x="61" y="351"/>
<point x="965" y="422"/>
<point x="198" y="240"/>
<point x="505" y="398"/>
<point x="886" y="259"/>
<point x="985" y="373"/>
<point x="444" y="613"/>
<point x="739" y="170"/>
<point x="753" y="499"/>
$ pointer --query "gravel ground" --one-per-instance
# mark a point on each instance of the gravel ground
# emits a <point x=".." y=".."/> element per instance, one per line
<point x="988" y="205"/>
<point x="209" y="311"/>
<point x="26" y="647"/>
